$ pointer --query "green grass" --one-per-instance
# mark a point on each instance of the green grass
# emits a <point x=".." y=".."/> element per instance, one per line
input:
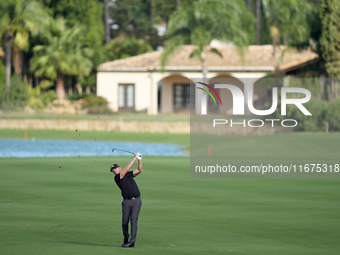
<point x="72" y="206"/>
<point x="95" y="135"/>
<point x="128" y="116"/>
<point x="298" y="148"/>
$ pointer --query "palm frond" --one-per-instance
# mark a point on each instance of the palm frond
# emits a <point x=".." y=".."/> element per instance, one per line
<point x="206" y="20"/>
<point x="64" y="51"/>
<point x="196" y="53"/>
<point x="171" y="46"/>
<point x="216" y="51"/>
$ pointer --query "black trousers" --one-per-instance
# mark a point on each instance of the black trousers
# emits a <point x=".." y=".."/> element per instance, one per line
<point x="130" y="209"/>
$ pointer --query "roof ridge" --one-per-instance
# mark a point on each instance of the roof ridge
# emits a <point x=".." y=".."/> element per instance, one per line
<point x="130" y="58"/>
<point x="258" y="57"/>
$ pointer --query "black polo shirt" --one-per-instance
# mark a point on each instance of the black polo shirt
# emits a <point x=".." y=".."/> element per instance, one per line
<point x="127" y="185"/>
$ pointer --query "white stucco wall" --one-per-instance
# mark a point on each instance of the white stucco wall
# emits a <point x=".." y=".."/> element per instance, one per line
<point x="107" y="87"/>
<point x="146" y="88"/>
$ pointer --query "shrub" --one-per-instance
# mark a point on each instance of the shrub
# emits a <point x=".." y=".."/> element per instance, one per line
<point x="95" y="104"/>
<point x="39" y="100"/>
<point x="333" y="115"/>
<point x="76" y="96"/>
<point x="318" y="109"/>
<point x="17" y="96"/>
<point x="48" y="97"/>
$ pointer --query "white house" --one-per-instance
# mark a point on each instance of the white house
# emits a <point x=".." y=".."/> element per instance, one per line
<point x="140" y="84"/>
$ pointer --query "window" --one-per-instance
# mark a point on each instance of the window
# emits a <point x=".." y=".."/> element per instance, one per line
<point x="181" y="96"/>
<point x="126" y="96"/>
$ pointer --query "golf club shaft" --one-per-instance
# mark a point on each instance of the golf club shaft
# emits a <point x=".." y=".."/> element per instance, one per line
<point x="123" y="150"/>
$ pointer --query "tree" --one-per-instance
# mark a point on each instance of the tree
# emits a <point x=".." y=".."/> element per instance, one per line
<point x="164" y="9"/>
<point x="87" y="13"/>
<point x="330" y="40"/>
<point x="132" y="18"/>
<point x="126" y="47"/>
<point x="106" y="22"/>
<point x="330" y="18"/>
<point x="19" y="19"/>
<point x="249" y="3"/>
<point x="287" y="21"/>
<point x="63" y="54"/>
<point x="258" y="21"/>
<point x="178" y="4"/>
<point x="204" y="21"/>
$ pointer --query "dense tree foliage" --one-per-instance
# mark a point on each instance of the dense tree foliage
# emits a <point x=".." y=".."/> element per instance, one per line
<point x="63" y="53"/>
<point x="330" y="39"/>
<point x="19" y="19"/>
<point x="133" y="24"/>
<point x="126" y="47"/>
<point x="196" y="25"/>
<point x="287" y="23"/>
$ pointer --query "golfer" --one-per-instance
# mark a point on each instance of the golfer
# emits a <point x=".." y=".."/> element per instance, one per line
<point x="131" y="197"/>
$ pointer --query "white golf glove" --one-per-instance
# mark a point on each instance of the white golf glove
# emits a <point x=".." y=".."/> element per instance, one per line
<point x="139" y="156"/>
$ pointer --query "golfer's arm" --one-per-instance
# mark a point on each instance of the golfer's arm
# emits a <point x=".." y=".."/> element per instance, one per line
<point x="127" y="168"/>
<point x="140" y="168"/>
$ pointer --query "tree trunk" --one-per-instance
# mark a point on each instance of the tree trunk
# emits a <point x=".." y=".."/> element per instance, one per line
<point x="8" y="49"/>
<point x="249" y="5"/>
<point x="204" y="67"/>
<point x="275" y="34"/>
<point x="79" y="88"/>
<point x="60" y="89"/>
<point x="152" y="11"/>
<point x="204" y="102"/>
<point x="178" y="4"/>
<point x="69" y="86"/>
<point x="18" y="60"/>
<point x="107" y="25"/>
<point x="88" y="90"/>
<point x="258" y="21"/>
<point x="276" y="56"/>
<point x="37" y="82"/>
<point x="333" y="89"/>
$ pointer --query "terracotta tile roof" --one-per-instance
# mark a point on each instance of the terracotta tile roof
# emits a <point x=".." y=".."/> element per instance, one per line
<point x="256" y="58"/>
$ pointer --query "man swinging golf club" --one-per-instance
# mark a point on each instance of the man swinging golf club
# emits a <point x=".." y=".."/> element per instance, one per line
<point x="131" y="197"/>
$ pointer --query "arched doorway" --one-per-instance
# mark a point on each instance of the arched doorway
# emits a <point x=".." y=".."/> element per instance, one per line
<point x="174" y="94"/>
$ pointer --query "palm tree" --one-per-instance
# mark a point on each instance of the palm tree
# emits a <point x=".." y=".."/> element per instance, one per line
<point x="63" y="54"/>
<point x="18" y="20"/>
<point x="287" y="22"/>
<point x="258" y="21"/>
<point x="204" y="21"/>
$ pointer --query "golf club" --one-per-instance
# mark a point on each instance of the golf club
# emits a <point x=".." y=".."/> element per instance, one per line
<point x="121" y="150"/>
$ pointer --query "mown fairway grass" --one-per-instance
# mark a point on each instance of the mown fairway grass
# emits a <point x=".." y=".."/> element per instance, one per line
<point x="72" y="206"/>
<point x="96" y="135"/>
